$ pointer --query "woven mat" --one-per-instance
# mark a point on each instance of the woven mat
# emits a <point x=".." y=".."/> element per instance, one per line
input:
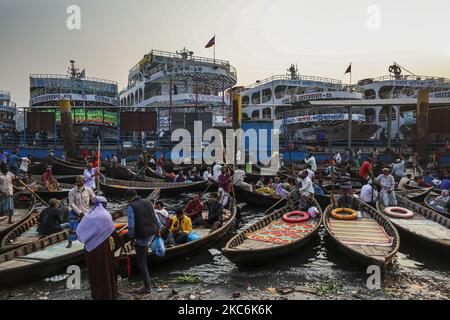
<point x="281" y="232"/>
<point x="362" y="231"/>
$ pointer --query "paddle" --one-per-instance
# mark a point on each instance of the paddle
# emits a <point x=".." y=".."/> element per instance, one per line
<point x="97" y="178"/>
<point x="34" y="193"/>
<point x="279" y="201"/>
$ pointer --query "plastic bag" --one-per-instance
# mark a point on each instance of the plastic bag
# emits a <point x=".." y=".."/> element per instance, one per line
<point x="158" y="247"/>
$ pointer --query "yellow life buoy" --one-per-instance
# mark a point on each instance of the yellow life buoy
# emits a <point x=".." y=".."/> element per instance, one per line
<point x="338" y="214"/>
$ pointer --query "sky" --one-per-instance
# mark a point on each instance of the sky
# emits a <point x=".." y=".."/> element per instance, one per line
<point x="260" y="38"/>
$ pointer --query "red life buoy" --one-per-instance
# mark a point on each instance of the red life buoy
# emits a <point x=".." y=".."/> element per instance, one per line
<point x="398" y="212"/>
<point x="289" y="217"/>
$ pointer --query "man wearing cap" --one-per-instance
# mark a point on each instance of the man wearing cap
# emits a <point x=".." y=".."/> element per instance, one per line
<point x="387" y="183"/>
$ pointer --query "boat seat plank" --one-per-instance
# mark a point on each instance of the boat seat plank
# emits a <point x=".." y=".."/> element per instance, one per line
<point x="55" y="251"/>
<point x="16" y="263"/>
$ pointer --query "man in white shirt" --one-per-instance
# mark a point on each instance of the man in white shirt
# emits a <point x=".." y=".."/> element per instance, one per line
<point x="368" y="194"/>
<point x="306" y="191"/>
<point x="23" y="169"/>
<point x="338" y="158"/>
<point x="161" y="213"/>
<point x="80" y="199"/>
<point x="387" y="183"/>
<point x="404" y="182"/>
<point x="399" y="168"/>
<point x="217" y="171"/>
<point x="207" y="174"/>
<point x="310" y="172"/>
<point x="311" y="161"/>
<point x="6" y="193"/>
<point x="90" y="174"/>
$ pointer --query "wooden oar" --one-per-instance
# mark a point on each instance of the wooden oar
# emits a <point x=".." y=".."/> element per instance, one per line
<point x="279" y="201"/>
<point x="99" y="166"/>
<point x="34" y="193"/>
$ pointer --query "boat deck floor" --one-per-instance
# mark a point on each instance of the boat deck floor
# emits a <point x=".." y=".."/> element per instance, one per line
<point x="18" y="215"/>
<point x="424" y="227"/>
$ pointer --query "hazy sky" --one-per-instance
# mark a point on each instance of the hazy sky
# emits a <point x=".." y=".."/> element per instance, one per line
<point x="259" y="37"/>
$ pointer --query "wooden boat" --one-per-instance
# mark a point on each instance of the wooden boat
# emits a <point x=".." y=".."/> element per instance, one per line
<point x="114" y="187"/>
<point x="45" y="256"/>
<point x="437" y="190"/>
<point x="428" y="203"/>
<point x="66" y="179"/>
<point x="416" y="195"/>
<point x="22" y="234"/>
<point x="426" y="228"/>
<point x="62" y="167"/>
<point x="370" y="239"/>
<point x="257" y="244"/>
<point x="180" y="250"/>
<point x="20" y="215"/>
<point x="42" y="192"/>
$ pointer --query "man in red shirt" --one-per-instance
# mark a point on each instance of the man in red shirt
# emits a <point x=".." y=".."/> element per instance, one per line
<point x="365" y="171"/>
<point x="194" y="210"/>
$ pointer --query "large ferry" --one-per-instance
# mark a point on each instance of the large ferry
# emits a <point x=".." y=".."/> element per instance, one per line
<point x="182" y="82"/>
<point x="90" y="99"/>
<point x="286" y="100"/>
<point x="7" y="113"/>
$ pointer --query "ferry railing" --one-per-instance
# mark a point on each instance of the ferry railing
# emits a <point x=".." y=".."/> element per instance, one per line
<point x="300" y="78"/>
<point x="68" y="77"/>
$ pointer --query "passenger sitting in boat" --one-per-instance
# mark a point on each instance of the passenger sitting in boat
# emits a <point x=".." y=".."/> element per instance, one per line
<point x="197" y="177"/>
<point x="260" y="183"/>
<point x="318" y="190"/>
<point x="180" y="228"/>
<point x="49" y="181"/>
<point x="387" y="193"/>
<point x="343" y="174"/>
<point x="207" y="174"/>
<point x="162" y="215"/>
<point x="215" y="211"/>
<point x="170" y="176"/>
<point x="275" y="183"/>
<point x="180" y="177"/>
<point x="238" y="179"/>
<point x="282" y="190"/>
<point x="50" y="219"/>
<point x="405" y="181"/>
<point x="441" y="201"/>
<point x="321" y="186"/>
<point x="345" y="200"/>
<point x="194" y="210"/>
<point x="331" y="170"/>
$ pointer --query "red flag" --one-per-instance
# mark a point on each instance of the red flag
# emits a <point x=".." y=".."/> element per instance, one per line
<point x="349" y="69"/>
<point x="211" y="42"/>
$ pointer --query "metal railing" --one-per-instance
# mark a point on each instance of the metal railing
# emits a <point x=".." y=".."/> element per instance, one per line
<point x="68" y="77"/>
<point x="300" y="78"/>
<point x="405" y="77"/>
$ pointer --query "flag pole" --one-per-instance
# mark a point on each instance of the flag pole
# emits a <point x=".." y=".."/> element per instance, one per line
<point x="351" y="76"/>
<point x="214" y="57"/>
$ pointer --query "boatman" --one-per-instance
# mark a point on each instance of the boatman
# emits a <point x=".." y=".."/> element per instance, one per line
<point x="142" y="227"/>
<point x="404" y="182"/>
<point x="6" y="193"/>
<point x="90" y="174"/>
<point x="368" y="194"/>
<point x="387" y="193"/>
<point x="365" y="171"/>
<point x="399" y="168"/>
<point x="306" y="191"/>
<point x="311" y="160"/>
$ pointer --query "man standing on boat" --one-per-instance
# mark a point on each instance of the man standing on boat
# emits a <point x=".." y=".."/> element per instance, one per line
<point x="365" y="171"/>
<point x="142" y="227"/>
<point x="387" y="193"/>
<point x="399" y="168"/>
<point x="160" y="164"/>
<point x="368" y="194"/>
<point x="311" y="160"/>
<point x="80" y="199"/>
<point x="306" y="191"/>
<point x="6" y="193"/>
<point x="90" y="174"/>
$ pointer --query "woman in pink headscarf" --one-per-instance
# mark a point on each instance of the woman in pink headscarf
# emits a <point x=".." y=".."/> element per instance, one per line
<point x="95" y="231"/>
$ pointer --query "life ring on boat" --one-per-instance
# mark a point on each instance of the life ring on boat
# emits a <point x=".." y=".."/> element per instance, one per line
<point x="289" y="217"/>
<point x="398" y="212"/>
<point x="339" y="214"/>
<point x="121" y="228"/>
<point x="120" y="225"/>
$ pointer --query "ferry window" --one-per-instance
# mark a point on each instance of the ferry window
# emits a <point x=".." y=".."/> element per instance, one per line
<point x="266" y="95"/>
<point x="255" y="114"/>
<point x="280" y="92"/>
<point x="245" y="100"/>
<point x="370" y="94"/>
<point x="256" y="98"/>
<point x="384" y="114"/>
<point x="267" y="113"/>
